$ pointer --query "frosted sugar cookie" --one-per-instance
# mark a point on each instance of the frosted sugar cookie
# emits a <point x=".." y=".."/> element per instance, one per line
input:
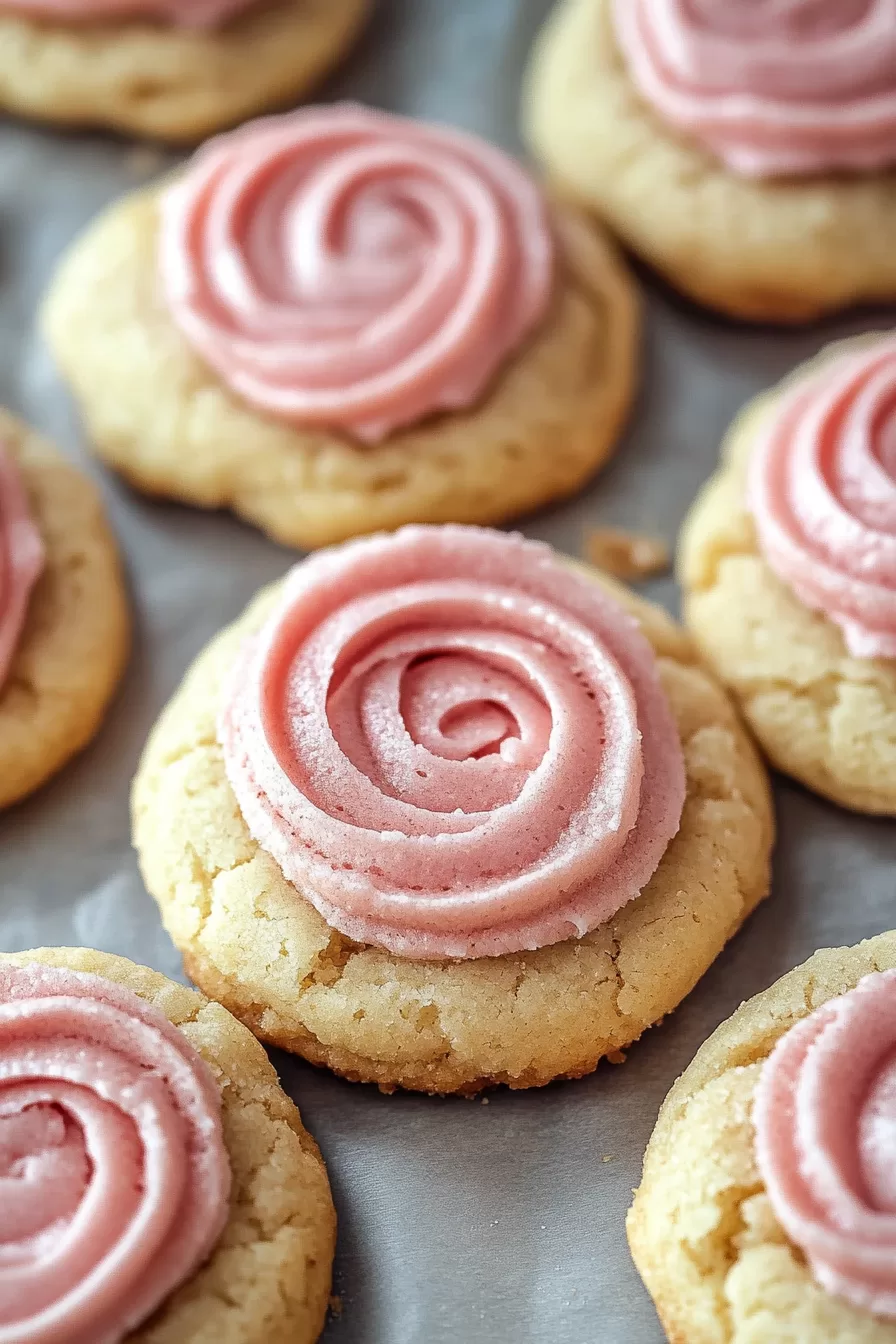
<point x="158" y="1185"/>
<point x="442" y="810"/>
<point x="766" y="1208"/>
<point x="340" y="320"/>
<point x="64" y="626"/>
<point x="745" y="151"/>
<point x="788" y="564"/>
<point x="173" y="69"/>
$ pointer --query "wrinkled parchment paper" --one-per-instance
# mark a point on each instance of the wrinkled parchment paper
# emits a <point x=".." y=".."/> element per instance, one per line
<point x="459" y="1221"/>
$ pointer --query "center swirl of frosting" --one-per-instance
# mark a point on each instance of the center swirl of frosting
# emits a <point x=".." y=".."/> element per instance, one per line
<point x="343" y="267"/>
<point x="21" y="559"/>
<point x="179" y="13"/>
<point x="114" y="1178"/>
<point x="823" y="495"/>
<point x="770" y="86"/>
<point x="825" y="1120"/>
<point x="454" y="745"/>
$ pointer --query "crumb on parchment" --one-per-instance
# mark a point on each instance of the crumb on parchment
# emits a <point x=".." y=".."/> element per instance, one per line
<point x="626" y="555"/>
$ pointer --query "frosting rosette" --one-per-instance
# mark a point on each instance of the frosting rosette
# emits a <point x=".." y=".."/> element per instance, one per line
<point x="21" y="559"/>
<point x="114" y="1178"/>
<point x="772" y="87"/>
<point x="825" y="1122"/>
<point x="822" y="489"/>
<point x="453" y="744"/>
<point x="339" y="266"/>
<point x="178" y="13"/>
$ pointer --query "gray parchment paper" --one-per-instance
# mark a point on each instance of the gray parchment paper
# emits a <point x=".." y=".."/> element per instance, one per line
<point x="458" y="1221"/>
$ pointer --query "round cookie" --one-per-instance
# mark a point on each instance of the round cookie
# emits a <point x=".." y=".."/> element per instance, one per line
<point x="258" y="945"/>
<point x="176" y="84"/>
<point x="161" y="416"/>
<point x="820" y="714"/>
<point x="75" y="640"/>
<point x="784" y="250"/>
<point x="268" y="1278"/>
<point x="701" y="1229"/>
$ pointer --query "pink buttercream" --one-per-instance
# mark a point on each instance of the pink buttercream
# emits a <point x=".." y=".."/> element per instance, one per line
<point x="453" y="745"/>
<point x="770" y="86"/>
<point x="823" y="493"/>
<point x="344" y="267"/>
<point x="825" y="1118"/>
<point x="114" y="1177"/>
<point x="21" y="559"/>
<point x="179" y="13"/>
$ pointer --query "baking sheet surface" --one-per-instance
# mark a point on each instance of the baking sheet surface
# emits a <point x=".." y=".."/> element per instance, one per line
<point x="459" y="1221"/>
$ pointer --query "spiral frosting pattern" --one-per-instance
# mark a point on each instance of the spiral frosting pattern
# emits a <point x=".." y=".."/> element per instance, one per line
<point x="772" y="87"/>
<point x="114" y="1178"/>
<point x="823" y="494"/>
<point x="178" y="13"/>
<point x="825" y="1122"/>
<point x="343" y="267"/>
<point x="454" y="745"/>
<point x="21" y="559"/>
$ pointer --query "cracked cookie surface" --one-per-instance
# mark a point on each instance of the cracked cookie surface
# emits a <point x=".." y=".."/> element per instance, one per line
<point x="268" y="1279"/>
<point x="819" y="714"/>
<point x="172" y="83"/>
<point x="779" y="250"/>
<point x="76" y="635"/>
<point x="156" y="413"/>
<point x="252" y="941"/>
<point x="702" y="1232"/>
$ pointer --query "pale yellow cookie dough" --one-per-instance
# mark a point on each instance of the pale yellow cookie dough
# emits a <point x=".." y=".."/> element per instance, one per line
<point x="252" y="941"/>
<point x="163" y="419"/>
<point x="702" y="1232"/>
<point x="76" y="635"/>
<point x="821" y="715"/>
<point x="786" y="250"/>
<point x="176" y="84"/>
<point x="268" y="1279"/>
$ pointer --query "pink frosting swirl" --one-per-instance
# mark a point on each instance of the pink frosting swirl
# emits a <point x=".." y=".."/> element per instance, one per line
<point x="772" y="86"/>
<point x="343" y="267"/>
<point x="179" y="13"/>
<point x="825" y="1120"/>
<point x="454" y="745"/>
<point x="21" y="559"/>
<point x="822" y="489"/>
<point x="114" y="1178"/>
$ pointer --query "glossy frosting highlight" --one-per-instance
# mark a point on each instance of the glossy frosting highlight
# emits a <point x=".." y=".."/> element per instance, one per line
<point x="114" y="1178"/>
<point x="453" y="744"/>
<point x="772" y="87"/>
<point x="178" y="13"/>
<point x="823" y="494"/>
<point x="825" y="1120"/>
<point x="22" y="559"/>
<point x="342" y="267"/>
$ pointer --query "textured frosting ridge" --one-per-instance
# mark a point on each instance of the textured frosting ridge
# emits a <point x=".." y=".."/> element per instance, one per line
<point x="114" y="1178"/>
<point x="21" y="559"/>
<point x="825" y="1120"/>
<point x="772" y="87"/>
<point x="823" y="494"/>
<point x="453" y="744"/>
<point x="340" y="266"/>
<point x="179" y="13"/>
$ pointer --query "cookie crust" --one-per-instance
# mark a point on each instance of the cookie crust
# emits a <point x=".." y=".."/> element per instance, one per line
<point x="252" y="941"/>
<point x="171" y="83"/>
<point x="160" y="416"/>
<point x="788" y="250"/>
<point x="77" y="629"/>
<point x="819" y="714"/>
<point x="701" y="1229"/>
<point x="268" y="1279"/>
